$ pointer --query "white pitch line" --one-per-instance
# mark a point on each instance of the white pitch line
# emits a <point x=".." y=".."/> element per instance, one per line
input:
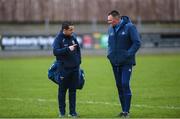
<point x="135" y="105"/>
<point x="93" y="102"/>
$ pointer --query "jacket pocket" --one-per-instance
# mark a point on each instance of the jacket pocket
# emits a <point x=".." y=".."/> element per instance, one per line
<point x="119" y="57"/>
<point x="122" y="56"/>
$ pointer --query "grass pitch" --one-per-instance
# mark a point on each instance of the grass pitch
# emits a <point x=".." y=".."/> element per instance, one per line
<point x="25" y="90"/>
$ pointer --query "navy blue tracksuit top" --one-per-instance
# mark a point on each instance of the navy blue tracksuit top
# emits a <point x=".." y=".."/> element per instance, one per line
<point x="67" y="58"/>
<point x="123" y="43"/>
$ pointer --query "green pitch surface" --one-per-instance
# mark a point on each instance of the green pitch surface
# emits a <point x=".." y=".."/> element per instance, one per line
<point x="25" y="90"/>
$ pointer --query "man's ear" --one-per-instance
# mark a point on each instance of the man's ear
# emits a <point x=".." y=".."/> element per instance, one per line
<point x="64" y="30"/>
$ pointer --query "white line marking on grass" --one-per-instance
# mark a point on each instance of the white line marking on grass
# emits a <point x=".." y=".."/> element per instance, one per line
<point x="135" y="105"/>
<point x="93" y="102"/>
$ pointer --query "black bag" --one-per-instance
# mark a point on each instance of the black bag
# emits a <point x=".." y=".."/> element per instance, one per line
<point x="54" y="75"/>
<point x="81" y="79"/>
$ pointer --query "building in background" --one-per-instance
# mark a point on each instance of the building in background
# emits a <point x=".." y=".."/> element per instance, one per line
<point x="32" y="22"/>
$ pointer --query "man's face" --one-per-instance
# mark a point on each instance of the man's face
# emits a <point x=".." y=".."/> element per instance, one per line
<point x="112" y="21"/>
<point x="68" y="32"/>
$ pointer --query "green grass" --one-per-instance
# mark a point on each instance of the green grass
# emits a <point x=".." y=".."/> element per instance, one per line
<point x="25" y="90"/>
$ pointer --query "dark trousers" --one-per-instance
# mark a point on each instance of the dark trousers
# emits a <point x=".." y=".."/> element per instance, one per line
<point x="122" y="76"/>
<point x="68" y="83"/>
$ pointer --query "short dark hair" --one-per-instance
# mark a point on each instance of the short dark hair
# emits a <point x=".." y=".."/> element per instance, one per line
<point x="66" y="24"/>
<point x="114" y="13"/>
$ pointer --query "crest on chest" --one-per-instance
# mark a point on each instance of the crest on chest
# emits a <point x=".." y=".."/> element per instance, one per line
<point x="67" y="43"/>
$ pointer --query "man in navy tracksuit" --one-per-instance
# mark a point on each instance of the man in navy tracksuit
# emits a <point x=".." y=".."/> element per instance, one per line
<point x="68" y="56"/>
<point x="123" y="43"/>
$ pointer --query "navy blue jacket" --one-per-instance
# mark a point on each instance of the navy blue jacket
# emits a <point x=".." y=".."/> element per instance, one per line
<point x="123" y="43"/>
<point x="67" y="58"/>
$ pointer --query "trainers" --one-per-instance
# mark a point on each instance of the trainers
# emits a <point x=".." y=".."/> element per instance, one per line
<point x="124" y="115"/>
<point x="120" y="114"/>
<point x="73" y="115"/>
<point x="61" y="115"/>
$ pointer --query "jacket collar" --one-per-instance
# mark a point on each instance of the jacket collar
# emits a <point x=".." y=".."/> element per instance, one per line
<point x="124" y="20"/>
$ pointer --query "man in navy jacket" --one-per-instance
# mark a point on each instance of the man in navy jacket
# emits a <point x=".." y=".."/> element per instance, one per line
<point x="123" y="43"/>
<point x="68" y="57"/>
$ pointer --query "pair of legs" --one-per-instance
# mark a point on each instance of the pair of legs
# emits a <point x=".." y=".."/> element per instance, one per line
<point x="68" y="83"/>
<point x="122" y="76"/>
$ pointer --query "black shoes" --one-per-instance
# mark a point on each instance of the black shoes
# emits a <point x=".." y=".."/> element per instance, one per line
<point x="124" y="115"/>
<point x="73" y="115"/>
<point x="61" y="115"/>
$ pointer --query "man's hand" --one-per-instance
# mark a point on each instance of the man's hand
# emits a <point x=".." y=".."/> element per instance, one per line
<point x="72" y="47"/>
